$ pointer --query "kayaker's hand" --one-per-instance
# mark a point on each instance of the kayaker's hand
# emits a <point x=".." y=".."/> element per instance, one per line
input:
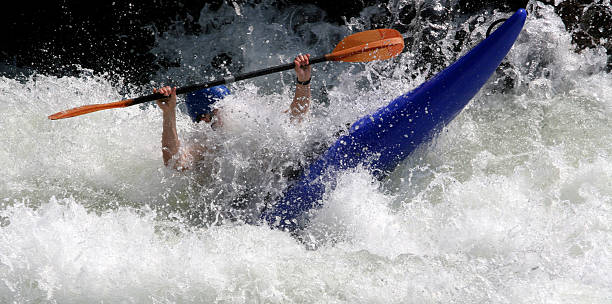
<point x="302" y="67"/>
<point x="169" y="103"/>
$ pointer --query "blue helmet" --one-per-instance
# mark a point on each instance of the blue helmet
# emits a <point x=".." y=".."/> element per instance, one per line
<point x="200" y="102"/>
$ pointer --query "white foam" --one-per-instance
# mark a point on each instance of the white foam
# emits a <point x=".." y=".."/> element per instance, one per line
<point x="511" y="203"/>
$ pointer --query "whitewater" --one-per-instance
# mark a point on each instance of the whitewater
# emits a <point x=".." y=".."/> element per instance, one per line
<point x="510" y="203"/>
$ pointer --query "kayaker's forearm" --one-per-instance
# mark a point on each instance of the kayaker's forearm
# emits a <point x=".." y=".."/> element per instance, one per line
<point x="170" y="141"/>
<point x="301" y="101"/>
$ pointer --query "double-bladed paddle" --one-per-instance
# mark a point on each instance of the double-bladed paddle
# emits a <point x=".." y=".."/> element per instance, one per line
<point x="364" y="46"/>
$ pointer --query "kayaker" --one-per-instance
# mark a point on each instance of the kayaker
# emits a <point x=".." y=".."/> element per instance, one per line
<point x="199" y="106"/>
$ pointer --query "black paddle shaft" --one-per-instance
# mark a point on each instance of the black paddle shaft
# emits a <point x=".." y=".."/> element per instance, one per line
<point x="226" y="80"/>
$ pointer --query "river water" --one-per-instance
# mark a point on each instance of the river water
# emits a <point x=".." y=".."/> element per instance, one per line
<point x="511" y="203"/>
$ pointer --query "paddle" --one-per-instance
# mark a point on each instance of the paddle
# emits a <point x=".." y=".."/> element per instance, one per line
<point x="365" y="46"/>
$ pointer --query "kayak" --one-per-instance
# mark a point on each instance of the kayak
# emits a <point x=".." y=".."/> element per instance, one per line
<point x="382" y="140"/>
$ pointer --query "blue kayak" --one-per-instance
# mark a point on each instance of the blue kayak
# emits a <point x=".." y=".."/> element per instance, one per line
<point x="383" y="139"/>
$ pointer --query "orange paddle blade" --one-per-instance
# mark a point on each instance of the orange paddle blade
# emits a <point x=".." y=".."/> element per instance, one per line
<point x="370" y="45"/>
<point x="90" y="108"/>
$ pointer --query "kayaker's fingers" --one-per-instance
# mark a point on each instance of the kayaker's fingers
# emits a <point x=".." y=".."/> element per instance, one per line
<point x="159" y="91"/>
<point x="165" y="90"/>
<point x="301" y="61"/>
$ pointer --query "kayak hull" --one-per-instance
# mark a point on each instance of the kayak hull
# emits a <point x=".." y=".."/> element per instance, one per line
<point x="383" y="139"/>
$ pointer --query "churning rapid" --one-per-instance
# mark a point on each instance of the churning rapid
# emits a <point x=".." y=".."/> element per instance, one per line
<point x="511" y="203"/>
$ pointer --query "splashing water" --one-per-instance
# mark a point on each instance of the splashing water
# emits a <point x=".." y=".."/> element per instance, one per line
<point x="511" y="203"/>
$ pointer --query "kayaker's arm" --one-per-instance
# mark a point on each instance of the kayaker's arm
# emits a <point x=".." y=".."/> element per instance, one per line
<point x="170" y="142"/>
<point x="301" y="99"/>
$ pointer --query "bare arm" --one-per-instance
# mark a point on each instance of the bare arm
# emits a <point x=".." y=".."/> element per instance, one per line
<point x="170" y="141"/>
<point x="171" y="146"/>
<point x="301" y="99"/>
